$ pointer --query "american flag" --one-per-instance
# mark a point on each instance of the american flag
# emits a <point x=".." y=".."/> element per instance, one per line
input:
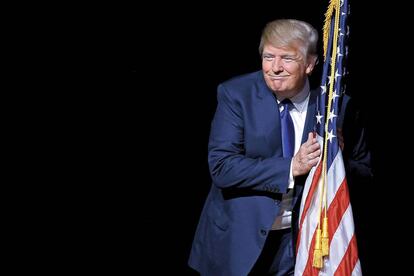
<point x="342" y="257"/>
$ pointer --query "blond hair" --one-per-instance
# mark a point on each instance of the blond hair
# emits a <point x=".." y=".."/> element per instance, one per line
<point x="290" y="32"/>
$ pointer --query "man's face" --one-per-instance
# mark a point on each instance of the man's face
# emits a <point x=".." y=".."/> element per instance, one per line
<point x="285" y="69"/>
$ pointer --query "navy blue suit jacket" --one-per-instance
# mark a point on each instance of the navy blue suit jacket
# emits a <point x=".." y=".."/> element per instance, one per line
<point x="249" y="176"/>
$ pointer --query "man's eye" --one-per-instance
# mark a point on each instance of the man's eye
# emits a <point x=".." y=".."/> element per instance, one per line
<point x="268" y="58"/>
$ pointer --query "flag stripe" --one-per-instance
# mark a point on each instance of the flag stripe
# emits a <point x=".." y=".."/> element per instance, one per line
<point x="340" y="222"/>
<point x="337" y="208"/>
<point x="357" y="269"/>
<point x="350" y="259"/>
<point x="309" y="269"/>
<point x="335" y="212"/>
<point x="336" y="174"/>
<point x="339" y="242"/>
<point x="309" y="197"/>
<point x="309" y="223"/>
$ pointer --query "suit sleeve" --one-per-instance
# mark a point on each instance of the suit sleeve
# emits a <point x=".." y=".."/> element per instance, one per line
<point x="229" y="166"/>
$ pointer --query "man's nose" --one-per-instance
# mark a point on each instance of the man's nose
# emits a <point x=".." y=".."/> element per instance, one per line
<point x="277" y="65"/>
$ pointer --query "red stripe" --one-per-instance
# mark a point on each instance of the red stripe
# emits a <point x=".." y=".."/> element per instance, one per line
<point x="309" y="269"/>
<point x="349" y="260"/>
<point x="335" y="213"/>
<point x="337" y="208"/>
<point x="308" y="201"/>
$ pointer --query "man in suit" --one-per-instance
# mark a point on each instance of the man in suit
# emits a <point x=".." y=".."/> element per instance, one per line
<point x="248" y="223"/>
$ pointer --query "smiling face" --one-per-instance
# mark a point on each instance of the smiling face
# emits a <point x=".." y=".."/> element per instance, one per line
<point x="285" y="69"/>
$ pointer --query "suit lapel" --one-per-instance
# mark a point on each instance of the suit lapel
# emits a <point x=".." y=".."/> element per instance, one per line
<point x="310" y="116"/>
<point x="269" y="114"/>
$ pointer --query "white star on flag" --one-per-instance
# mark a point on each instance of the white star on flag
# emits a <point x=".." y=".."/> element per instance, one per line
<point x="330" y="136"/>
<point x="331" y="116"/>
<point x="319" y="117"/>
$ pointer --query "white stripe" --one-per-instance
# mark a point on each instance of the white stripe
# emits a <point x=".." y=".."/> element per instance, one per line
<point x="357" y="269"/>
<point x="310" y="222"/>
<point x="309" y="178"/>
<point x="345" y="230"/>
<point x="336" y="174"/>
<point x="340" y="242"/>
<point x="308" y="229"/>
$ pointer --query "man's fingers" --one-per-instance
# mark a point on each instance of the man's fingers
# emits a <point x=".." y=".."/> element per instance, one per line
<point x="313" y="161"/>
<point x="311" y="139"/>
<point x="315" y="154"/>
<point x="310" y="148"/>
<point x="314" y="147"/>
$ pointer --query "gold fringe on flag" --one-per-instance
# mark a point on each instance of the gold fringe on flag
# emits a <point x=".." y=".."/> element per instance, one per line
<point x="317" y="252"/>
<point x="325" y="237"/>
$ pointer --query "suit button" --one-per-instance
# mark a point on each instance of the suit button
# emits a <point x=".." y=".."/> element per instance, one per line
<point x="263" y="232"/>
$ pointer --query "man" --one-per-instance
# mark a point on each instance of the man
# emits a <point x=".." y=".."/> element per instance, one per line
<point x="249" y="222"/>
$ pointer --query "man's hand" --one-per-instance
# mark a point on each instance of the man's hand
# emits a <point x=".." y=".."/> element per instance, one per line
<point x="307" y="156"/>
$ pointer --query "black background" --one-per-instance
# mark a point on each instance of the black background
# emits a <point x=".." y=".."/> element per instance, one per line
<point x="166" y="63"/>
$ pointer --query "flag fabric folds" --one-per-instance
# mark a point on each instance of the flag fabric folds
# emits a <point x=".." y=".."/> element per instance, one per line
<point x="325" y="193"/>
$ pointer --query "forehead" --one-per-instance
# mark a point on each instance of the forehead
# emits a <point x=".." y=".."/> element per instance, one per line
<point x="285" y="50"/>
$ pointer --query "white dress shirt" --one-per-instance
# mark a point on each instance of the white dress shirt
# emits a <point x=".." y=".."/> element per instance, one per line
<point x="298" y="113"/>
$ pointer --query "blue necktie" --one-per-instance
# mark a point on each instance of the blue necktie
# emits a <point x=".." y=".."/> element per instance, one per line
<point x="288" y="130"/>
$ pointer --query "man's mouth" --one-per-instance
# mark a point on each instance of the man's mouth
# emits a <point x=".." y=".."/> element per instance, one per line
<point x="277" y="77"/>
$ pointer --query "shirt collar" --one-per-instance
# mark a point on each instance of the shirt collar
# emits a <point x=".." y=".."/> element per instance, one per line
<point x="301" y="99"/>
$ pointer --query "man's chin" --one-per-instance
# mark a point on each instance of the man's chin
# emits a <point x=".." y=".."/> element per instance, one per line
<point x="278" y="87"/>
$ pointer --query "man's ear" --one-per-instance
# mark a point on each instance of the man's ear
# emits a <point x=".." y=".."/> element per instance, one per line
<point x="312" y="61"/>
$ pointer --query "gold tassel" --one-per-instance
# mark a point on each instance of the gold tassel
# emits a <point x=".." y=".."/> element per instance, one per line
<point x="317" y="252"/>
<point x="325" y="237"/>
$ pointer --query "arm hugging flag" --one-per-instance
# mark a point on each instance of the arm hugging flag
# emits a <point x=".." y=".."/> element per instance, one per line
<point x="326" y="241"/>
